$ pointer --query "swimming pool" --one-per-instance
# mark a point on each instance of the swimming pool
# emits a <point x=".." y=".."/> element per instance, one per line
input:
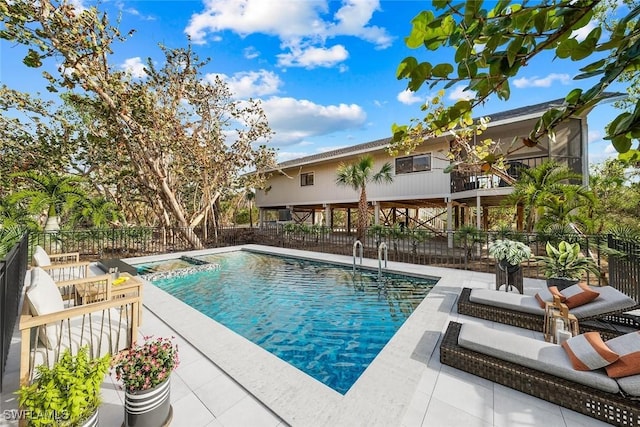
<point x="317" y="317"/>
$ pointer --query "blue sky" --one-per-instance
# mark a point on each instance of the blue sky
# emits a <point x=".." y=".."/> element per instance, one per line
<point x="324" y="70"/>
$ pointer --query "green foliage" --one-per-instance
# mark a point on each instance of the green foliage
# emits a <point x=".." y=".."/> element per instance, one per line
<point x="513" y="34"/>
<point x="549" y="198"/>
<point x="512" y="251"/>
<point x="69" y="391"/>
<point x="9" y="236"/>
<point x="566" y="261"/>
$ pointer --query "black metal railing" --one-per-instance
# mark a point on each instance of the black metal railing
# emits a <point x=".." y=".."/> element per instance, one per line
<point x="12" y="273"/>
<point x="624" y="268"/>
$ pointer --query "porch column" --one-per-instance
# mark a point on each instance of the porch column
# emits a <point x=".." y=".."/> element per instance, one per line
<point x="348" y="221"/>
<point x="478" y="213"/>
<point x="376" y="213"/>
<point x="328" y="215"/>
<point x="313" y="216"/>
<point x="449" y="222"/>
<point x="261" y="218"/>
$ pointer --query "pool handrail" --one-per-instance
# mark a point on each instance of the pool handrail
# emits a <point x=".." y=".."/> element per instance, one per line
<point x="357" y="244"/>
<point x="382" y="246"/>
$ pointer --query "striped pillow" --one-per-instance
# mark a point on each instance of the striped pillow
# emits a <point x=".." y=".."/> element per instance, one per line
<point x="577" y="295"/>
<point x="588" y="352"/>
<point x="628" y="347"/>
<point x="547" y="294"/>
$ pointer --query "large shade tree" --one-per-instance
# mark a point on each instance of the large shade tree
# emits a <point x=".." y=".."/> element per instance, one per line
<point x="357" y="175"/>
<point x="492" y="42"/>
<point x="178" y="140"/>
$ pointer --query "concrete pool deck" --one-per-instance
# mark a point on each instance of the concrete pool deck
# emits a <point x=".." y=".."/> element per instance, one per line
<point x="225" y="380"/>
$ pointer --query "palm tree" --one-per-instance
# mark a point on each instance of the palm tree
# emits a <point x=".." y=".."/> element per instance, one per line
<point x="357" y="175"/>
<point x="538" y="184"/>
<point x="48" y="192"/>
<point x="565" y="209"/>
<point x="98" y="212"/>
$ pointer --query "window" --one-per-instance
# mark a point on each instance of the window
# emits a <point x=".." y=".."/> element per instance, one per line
<point x="306" y="179"/>
<point x="419" y="163"/>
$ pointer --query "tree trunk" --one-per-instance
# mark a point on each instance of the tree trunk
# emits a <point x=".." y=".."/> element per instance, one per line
<point x="362" y="213"/>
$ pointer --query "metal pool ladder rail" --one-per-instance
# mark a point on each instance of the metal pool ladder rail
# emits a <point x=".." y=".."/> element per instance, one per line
<point x="382" y="246"/>
<point x="357" y="244"/>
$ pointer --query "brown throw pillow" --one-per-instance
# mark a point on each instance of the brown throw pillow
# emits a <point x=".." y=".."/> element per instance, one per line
<point x="546" y="295"/>
<point x="577" y="295"/>
<point x="588" y="352"/>
<point x="628" y="347"/>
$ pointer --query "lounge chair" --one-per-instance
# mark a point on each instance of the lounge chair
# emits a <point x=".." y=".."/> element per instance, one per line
<point x="64" y="266"/>
<point x="542" y="370"/>
<point x="52" y="320"/>
<point x="524" y="311"/>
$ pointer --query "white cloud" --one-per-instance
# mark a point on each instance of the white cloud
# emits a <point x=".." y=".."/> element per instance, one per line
<point x="408" y="97"/>
<point x="293" y="120"/>
<point x="78" y="5"/>
<point x="459" y="93"/>
<point x="250" y="83"/>
<point x="582" y="33"/>
<point x="135" y="67"/>
<point x="312" y="57"/>
<point x="250" y="52"/>
<point x="594" y="136"/>
<point x="536" y="81"/>
<point x="302" y="26"/>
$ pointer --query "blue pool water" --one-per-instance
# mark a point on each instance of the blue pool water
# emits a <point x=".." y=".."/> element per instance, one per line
<point x="317" y="317"/>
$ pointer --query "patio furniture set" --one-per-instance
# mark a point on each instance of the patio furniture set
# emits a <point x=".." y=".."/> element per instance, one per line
<point x="596" y="372"/>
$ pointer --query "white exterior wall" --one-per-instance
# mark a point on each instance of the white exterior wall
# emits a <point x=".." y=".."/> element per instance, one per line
<point x="287" y="191"/>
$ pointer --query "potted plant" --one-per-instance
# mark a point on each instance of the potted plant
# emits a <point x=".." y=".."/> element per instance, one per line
<point x="564" y="265"/>
<point x="68" y="393"/>
<point x="145" y="373"/>
<point x="509" y="254"/>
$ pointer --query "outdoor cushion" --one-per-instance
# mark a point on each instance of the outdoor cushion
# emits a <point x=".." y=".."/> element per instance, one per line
<point x="530" y="352"/>
<point x="577" y="295"/>
<point x="44" y="298"/>
<point x="510" y="300"/>
<point x="630" y="385"/>
<point x="628" y="347"/>
<point x="588" y="352"/>
<point x="546" y="295"/>
<point x="40" y="257"/>
<point x="610" y="300"/>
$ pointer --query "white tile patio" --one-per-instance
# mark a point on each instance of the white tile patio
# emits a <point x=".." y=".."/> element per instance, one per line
<point x="225" y="380"/>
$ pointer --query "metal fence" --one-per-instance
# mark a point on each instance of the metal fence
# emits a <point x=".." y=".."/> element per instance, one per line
<point x="454" y="249"/>
<point x="624" y="269"/>
<point x="12" y="273"/>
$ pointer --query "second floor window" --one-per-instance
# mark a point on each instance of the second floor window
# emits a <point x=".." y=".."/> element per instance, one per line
<point x="306" y="179"/>
<point x="418" y="163"/>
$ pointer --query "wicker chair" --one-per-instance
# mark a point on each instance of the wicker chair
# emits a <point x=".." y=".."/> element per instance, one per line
<point x="611" y="408"/>
<point x="605" y="322"/>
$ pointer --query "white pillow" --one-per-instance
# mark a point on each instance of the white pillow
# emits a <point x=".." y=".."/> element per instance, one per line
<point x="40" y="257"/>
<point x="45" y="298"/>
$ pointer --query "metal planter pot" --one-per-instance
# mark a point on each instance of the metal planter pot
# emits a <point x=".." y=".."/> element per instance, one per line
<point x="148" y="408"/>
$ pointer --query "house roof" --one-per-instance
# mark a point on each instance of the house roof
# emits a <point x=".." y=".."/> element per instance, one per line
<point x="522" y="113"/>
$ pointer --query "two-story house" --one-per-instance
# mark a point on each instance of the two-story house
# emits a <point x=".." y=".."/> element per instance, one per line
<point x="422" y="194"/>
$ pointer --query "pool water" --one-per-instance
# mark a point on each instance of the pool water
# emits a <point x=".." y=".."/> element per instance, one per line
<point x="318" y="317"/>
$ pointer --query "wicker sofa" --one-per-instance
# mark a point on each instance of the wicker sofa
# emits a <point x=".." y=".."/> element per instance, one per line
<point x="605" y="315"/>
<point x="482" y="351"/>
